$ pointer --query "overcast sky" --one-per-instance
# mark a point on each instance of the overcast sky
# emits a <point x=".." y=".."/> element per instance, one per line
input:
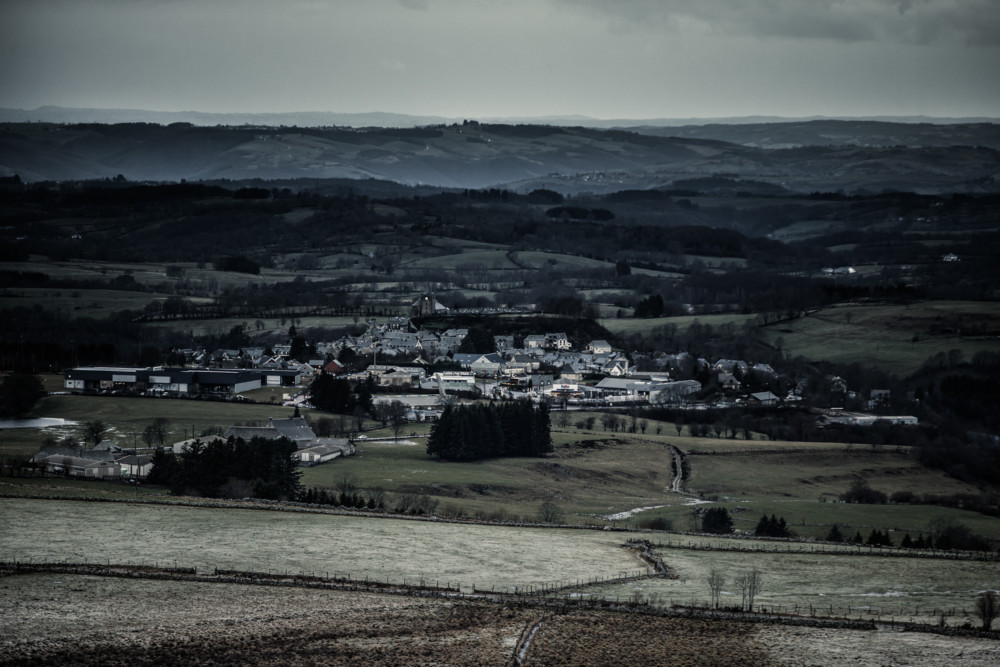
<point x="494" y="58"/>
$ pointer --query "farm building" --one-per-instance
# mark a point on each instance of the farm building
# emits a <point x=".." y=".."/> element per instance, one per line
<point x="181" y="381"/>
<point x="295" y="429"/>
<point x="78" y="466"/>
<point x="329" y="449"/>
<point x="162" y="381"/>
<point x="135" y="466"/>
<point x="279" y="377"/>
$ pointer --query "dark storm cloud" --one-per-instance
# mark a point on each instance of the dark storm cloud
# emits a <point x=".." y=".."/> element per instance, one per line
<point x="974" y="22"/>
<point x="468" y="58"/>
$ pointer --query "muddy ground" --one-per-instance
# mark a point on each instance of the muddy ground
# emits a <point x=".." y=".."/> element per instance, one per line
<point x="87" y="620"/>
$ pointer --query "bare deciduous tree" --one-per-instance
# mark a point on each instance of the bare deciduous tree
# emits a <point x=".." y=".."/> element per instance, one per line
<point x="346" y="484"/>
<point x="376" y="497"/>
<point x="156" y="432"/>
<point x="716" y="580"/>
<point x="987" y="608"/>
<point x="549" y="512"/>
<point x="324" y="427"/>
<point x="93" y="431"/>
<point x="749" y="585"/>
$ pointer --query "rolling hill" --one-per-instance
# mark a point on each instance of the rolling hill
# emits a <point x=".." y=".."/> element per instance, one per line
<point x="521" y="157"/>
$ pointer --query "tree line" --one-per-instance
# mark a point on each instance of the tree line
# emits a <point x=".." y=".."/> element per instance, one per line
<point x="231" y="468"/>
<point x="481" y="431"/>
<point x="338" y="395"/>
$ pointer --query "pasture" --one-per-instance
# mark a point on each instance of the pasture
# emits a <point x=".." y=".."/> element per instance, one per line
<point x="628" y="326"/>
<point x="590" y="475"/>
<point x="382" y="549"/>
<point x="898" y="338"/>
<point x="484" y="557"/>
<point x="126" y="418"/>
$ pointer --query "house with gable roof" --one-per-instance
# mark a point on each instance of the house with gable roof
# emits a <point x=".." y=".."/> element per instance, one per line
<point x="599" y="347"/>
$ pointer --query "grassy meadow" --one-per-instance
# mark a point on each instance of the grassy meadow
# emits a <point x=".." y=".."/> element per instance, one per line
<point x="478" y="557"/>
<point x="399" y="550"/>
<point x="628" y="326"/>
<point x="592" y="475"/>
<point x="126" y="418"/>
<point x="898" y="338"/>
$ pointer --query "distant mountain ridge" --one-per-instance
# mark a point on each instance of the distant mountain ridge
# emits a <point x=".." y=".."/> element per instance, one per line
<point x="806" y="156"/>
<point x="73" y="115"/>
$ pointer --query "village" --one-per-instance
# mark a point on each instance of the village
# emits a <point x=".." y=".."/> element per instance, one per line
<point x="422" y="370"/>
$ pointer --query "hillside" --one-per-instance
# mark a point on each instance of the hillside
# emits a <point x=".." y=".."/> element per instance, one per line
<point x="523" y="157"/>
<point x="831" y="132"/>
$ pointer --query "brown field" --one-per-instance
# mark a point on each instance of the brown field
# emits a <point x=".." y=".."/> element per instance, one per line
<point x="50" y="619"/>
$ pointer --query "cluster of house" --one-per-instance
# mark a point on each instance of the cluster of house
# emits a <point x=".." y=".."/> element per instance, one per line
<point x="105" y="461"/>
<point x="542" y="366"/>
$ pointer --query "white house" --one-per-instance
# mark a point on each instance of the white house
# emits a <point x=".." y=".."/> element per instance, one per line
<point x="599" y="347"/>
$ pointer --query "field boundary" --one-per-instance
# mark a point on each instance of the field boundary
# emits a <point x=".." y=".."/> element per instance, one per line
<point x="561" y="604"/>
<point x="760" y="545"/>
<point x="828" y="550"/>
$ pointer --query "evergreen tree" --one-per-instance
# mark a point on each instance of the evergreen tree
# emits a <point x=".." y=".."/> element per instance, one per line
<point x="717" y="520"/>
<point x="471" y="433"/>
<point x="266" y="464"/>
<point x="771" y="527"/>
<point x="835" y="535"/>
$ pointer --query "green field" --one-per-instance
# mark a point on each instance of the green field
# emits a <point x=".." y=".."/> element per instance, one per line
<point x="127" y="417"/>
<point x="628" y="326"/>
<point x="96" y="303"/>
<point x="589" y="476"/>
<point x="895" y="337"/>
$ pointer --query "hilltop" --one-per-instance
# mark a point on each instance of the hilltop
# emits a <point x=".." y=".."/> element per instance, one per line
<point x="803" y="157"/>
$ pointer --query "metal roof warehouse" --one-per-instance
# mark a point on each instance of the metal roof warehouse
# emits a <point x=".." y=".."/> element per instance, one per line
<point x="167" y="381"/>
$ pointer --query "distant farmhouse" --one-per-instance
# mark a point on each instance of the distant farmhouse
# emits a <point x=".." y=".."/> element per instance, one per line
<point x="311" y="448"/>
<point x="105" y="461"/>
